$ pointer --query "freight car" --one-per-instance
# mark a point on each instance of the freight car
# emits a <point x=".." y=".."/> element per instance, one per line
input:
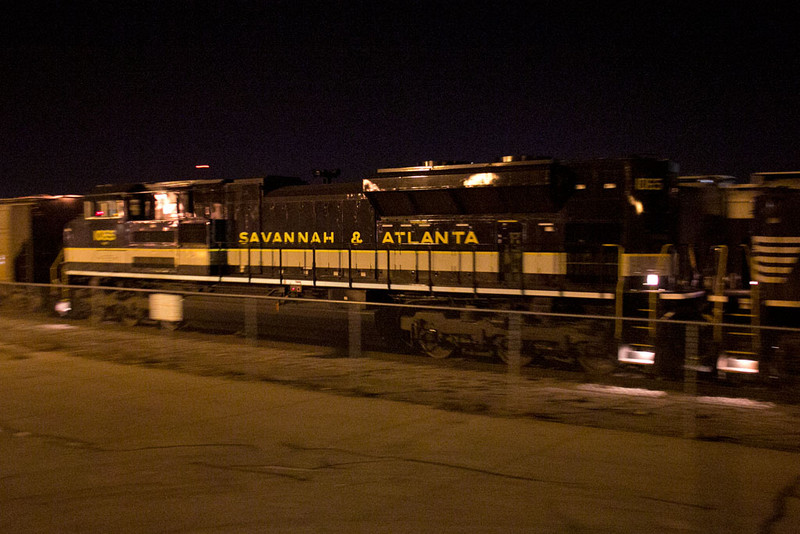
<point x="31" y="230"/>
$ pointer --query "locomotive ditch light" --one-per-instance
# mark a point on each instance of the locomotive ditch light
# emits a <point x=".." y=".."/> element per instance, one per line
<point x="651" y="280"/>
<point x="734" y="364"/>
<point x="627" y="354"/>
<point x="63" y="307"/>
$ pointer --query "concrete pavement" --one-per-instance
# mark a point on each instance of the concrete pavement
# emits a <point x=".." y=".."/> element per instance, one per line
<point x="92" y="446"/>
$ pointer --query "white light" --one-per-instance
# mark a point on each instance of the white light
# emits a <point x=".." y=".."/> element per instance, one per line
<point x="481" y="178"/>
<point x="739" y="403"/>
<point x="626" y="354"/>
<point x="732" y="364"/>
<point x="63" y="307"/>
<point x="166" y="204"/>
<point x="616" y="390"/>
<point x="638" y="206"/>
<point x="58" y="327"/>
<point x="652" y="280"/>
<point x="753" y="282"/>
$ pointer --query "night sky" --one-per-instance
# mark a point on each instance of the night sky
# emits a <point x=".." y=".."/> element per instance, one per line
<point x="96" y="92"/>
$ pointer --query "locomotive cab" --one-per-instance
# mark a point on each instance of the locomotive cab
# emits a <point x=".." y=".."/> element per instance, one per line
<point x="167" y="227"/>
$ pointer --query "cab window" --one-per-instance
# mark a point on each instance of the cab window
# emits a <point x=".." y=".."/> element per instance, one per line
<point x="104" y="209"/>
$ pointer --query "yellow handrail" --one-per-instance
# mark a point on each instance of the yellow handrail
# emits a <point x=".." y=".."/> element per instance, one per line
<point x="57" y="275"/>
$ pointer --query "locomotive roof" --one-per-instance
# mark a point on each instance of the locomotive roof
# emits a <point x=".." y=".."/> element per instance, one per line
<point x="785" y="178"/>
<point x="269" y="182"/>
<point x="38" y="198"/>
<point x="707" y="179"/>
<point x="152" y="186"/>
<point x="501" y="187"/>
<point x="459" y="175"/>
<point x="316" y="190"/>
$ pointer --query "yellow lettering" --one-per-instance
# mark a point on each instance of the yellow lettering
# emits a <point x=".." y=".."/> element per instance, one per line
<point x="356" y="238"/>
<point x="458" y="236"/>
<point x="244" y="238"/>
<point x="427" y="238"/>
<point x="288" y="237"/>
<point x="302" y="237"/>
<point x="399" y="237"/>
<point x="471" y="238"/>
<point x="649" y="184"/>
<point x="442" y="237"/>
<point x="387" y="238"/>
<point x="327" y="238"/>
<point x="104" y="235"/>
<point x="315" y="238"/>
<point x="276" y="238"/>
<point x="254" y="237"/>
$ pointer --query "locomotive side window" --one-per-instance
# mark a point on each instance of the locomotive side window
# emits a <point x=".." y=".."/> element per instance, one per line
<point x="214" y="211"/>
<point x="169" y="206"/>
<point x="135" y="208"/>
<point x="111" y="209"/>
<point x="140" y="208"/>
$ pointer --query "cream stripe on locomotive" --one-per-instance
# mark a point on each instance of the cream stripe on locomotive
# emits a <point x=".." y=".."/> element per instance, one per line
<point x="761" y="249"/>
<point x="128" y="256"/>
<point x="360" y="263"/>
<point x="553" y="263"/>
<point x="774" y="257"/>
<point x="545" y="263"/>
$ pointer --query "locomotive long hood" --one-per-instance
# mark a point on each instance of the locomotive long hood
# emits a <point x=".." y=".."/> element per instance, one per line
<point x="469" y="189"/>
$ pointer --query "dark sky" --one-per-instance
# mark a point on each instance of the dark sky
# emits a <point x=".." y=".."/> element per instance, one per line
<point x="96" y="92"/>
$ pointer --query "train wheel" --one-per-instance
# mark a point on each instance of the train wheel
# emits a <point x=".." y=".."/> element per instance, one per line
<point x="597" y="366"/>
<point x="132" y="309"/>
<point x="132" y="316"/>
<point x="501" y="351"/>
<point x="435" y="345"/>
<point x="596" y="359"/>
<point x="436" y="349"/>
<point x="171" y="326"/>
<point x="432" y="342"/>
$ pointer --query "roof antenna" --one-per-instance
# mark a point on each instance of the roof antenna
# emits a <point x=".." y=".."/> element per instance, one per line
<point x="327" y="175"/>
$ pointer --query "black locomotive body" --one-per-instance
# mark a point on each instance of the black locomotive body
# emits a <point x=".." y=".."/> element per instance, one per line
<point x="747" y="239"/>
<point x="538" y="235"/>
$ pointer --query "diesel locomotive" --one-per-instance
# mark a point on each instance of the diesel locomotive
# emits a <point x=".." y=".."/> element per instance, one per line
<point x="526" y="234"/>
<point x="604" y="257"/>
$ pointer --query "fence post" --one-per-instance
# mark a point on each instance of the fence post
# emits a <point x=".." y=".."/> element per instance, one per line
<point x="95" y="303"/>
<point x="354" y="330"/>
<point x="514" y="347"/>
<point x="691" y="362"/>
<point x="514" y="402"/>
<point x="251" y="320"/>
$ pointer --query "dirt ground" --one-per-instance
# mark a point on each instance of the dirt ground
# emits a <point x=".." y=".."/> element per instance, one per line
<point x="491" y="392"/>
